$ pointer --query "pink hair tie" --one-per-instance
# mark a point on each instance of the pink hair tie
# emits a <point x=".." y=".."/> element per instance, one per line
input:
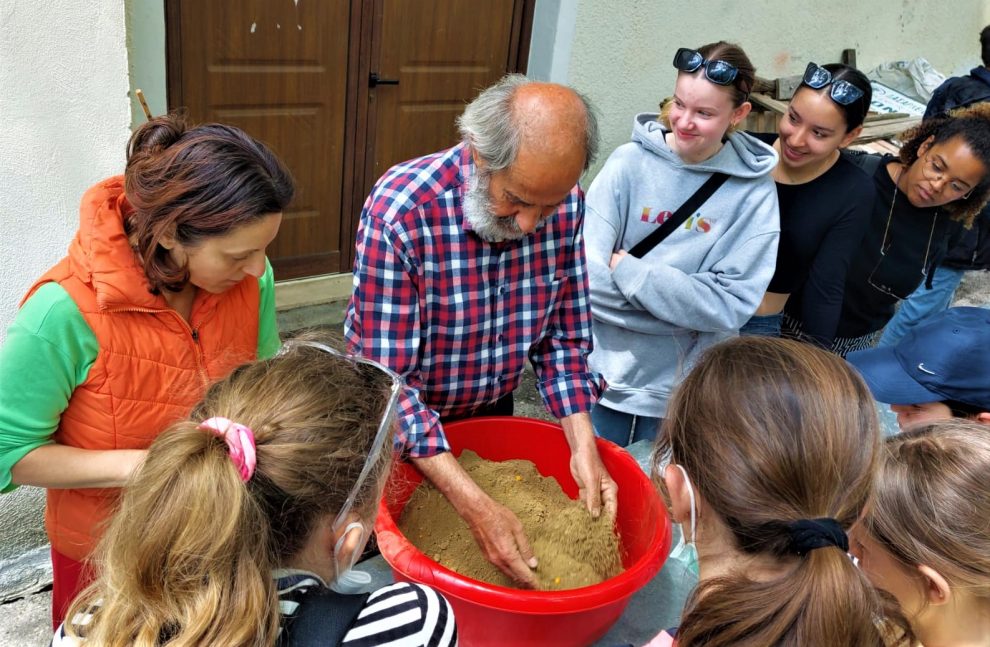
<point x="240" y="443"/>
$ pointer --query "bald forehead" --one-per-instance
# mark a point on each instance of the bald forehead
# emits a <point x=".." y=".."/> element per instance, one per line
<point x="549" y="99"/>
<point x="552" y="119"/>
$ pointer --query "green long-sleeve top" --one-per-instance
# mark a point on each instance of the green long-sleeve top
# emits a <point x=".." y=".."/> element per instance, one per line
<point x="48" y="353"/>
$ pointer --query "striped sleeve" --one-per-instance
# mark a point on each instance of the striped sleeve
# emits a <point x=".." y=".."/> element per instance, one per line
<point x="404" y="615"/>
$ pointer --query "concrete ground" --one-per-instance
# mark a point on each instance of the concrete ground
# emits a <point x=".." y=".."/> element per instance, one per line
<point x="26" y="622"/>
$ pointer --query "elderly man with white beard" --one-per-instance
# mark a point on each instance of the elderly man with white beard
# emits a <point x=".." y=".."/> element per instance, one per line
<point x="469" y="261"/>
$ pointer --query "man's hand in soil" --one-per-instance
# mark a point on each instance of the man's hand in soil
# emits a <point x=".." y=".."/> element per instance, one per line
<point x="501" y="538"/>
<point x="496" y="529"/>
<point x="595" y="486"/>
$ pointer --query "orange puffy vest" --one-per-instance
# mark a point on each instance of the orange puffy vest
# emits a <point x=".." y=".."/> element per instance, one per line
<point x="152" y="366"/>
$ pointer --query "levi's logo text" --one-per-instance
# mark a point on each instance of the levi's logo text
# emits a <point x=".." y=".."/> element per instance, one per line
<point x="694" y="223"/>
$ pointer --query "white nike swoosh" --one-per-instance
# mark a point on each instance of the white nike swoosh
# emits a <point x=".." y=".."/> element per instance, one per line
<point x="921" y="367"/>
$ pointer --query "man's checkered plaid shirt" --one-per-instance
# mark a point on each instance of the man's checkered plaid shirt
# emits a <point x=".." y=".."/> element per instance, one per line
<point x="457" y="316"/>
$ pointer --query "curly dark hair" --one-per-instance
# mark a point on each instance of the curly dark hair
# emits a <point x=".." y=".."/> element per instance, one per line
<point x="972" y="124"/>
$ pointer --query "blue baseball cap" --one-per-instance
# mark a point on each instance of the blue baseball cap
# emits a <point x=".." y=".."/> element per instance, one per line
<point x="946" y="358"/>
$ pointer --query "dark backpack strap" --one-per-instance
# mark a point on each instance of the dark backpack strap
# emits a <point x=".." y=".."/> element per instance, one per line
<point x="321" y="619"/>
<point x="691" y="205"/>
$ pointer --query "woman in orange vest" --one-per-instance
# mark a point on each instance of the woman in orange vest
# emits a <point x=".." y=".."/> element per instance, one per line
<point x="166" y="288"/>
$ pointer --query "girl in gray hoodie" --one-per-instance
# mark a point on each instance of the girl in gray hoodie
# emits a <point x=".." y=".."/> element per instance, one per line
<point x="654" y="315"/>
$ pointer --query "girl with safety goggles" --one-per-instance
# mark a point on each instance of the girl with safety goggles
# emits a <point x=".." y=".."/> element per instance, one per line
<point x="243" y="525"/>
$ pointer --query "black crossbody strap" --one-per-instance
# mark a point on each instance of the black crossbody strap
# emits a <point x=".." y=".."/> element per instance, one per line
<point x="691" y="205"/>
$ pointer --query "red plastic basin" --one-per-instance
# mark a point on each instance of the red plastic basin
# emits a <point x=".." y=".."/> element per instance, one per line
<point x="495" y="615"/>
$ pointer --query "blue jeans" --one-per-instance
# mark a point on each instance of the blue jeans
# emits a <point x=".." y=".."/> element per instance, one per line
<point x="623" y="428"/>
<point x="922" y="304"/>
<point x="762" y="326"/>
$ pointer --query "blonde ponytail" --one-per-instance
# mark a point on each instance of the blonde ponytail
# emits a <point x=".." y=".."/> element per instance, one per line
<point x="187" y="564"/>
<point x="188" y="558"/>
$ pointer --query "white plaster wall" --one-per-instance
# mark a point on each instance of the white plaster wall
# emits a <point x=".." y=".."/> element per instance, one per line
<point x="554" y="22"/>
<point x="65" y="121"/>
<point x="622" y="49"/>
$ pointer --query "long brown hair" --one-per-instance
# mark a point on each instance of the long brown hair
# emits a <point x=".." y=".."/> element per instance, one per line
<point x="193" y="183"/>
<point x="932" y="502"/>
<point x="772" y="431"/>
<point x="188" y="558"/>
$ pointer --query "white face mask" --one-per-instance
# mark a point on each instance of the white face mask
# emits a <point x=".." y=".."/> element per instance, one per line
<point x="685" y="551"/>
<point x="349" y="580"/>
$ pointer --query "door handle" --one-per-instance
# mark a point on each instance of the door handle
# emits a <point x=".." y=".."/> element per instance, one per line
<point x="375" y="80"/>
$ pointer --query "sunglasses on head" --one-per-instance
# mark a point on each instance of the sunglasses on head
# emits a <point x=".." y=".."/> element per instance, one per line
<point x="842" y="92"/>
<point x="717" y="71"/>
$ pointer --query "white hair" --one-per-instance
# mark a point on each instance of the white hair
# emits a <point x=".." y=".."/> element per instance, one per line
<point x="487" y="124"/>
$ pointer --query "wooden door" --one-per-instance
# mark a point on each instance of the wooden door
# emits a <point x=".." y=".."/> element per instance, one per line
<point x="295" y="74"/>
<point x="434" y="56"/>
<point x="278" y="70"/>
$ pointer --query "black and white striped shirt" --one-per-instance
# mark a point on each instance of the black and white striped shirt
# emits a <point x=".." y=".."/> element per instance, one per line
<point x="403" y="615"/>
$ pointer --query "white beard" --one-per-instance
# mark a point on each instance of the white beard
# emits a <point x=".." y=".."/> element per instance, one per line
<point x="478" y="212"/>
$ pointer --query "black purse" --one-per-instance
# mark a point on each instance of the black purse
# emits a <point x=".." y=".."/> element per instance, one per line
<point x="690" y="205"/>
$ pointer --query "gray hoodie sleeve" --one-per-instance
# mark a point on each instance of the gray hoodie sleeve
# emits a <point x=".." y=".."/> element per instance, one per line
<point x="720" y="299"/>
<point x="605" y="209"/>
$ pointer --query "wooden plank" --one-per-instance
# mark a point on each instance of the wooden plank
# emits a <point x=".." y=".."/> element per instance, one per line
<point x="849" y="57"/>
<point x="879" y="146"/>
<point x="889" y="146"/>
<point x="887" y="130"/>
<point x="787" y="86"/>
<point x="766" y="86"/>
<point x="882" y="116"/>
<point x="903" y="122"/>
<point x="768" y="102"/>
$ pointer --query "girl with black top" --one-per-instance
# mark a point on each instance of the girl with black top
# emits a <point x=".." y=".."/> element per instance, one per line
<point x="936" y="186"/>
<point x="824" y="202"/>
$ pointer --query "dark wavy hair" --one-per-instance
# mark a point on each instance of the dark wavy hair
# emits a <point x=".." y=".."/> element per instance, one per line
<point x="193" y="183"/>
<point x="972" y="124"/>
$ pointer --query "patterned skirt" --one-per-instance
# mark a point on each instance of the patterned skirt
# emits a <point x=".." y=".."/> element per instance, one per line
<point x="791" y="328"/>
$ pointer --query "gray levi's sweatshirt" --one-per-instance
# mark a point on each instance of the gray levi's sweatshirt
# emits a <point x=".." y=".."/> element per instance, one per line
<point x="653" y="316"/>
